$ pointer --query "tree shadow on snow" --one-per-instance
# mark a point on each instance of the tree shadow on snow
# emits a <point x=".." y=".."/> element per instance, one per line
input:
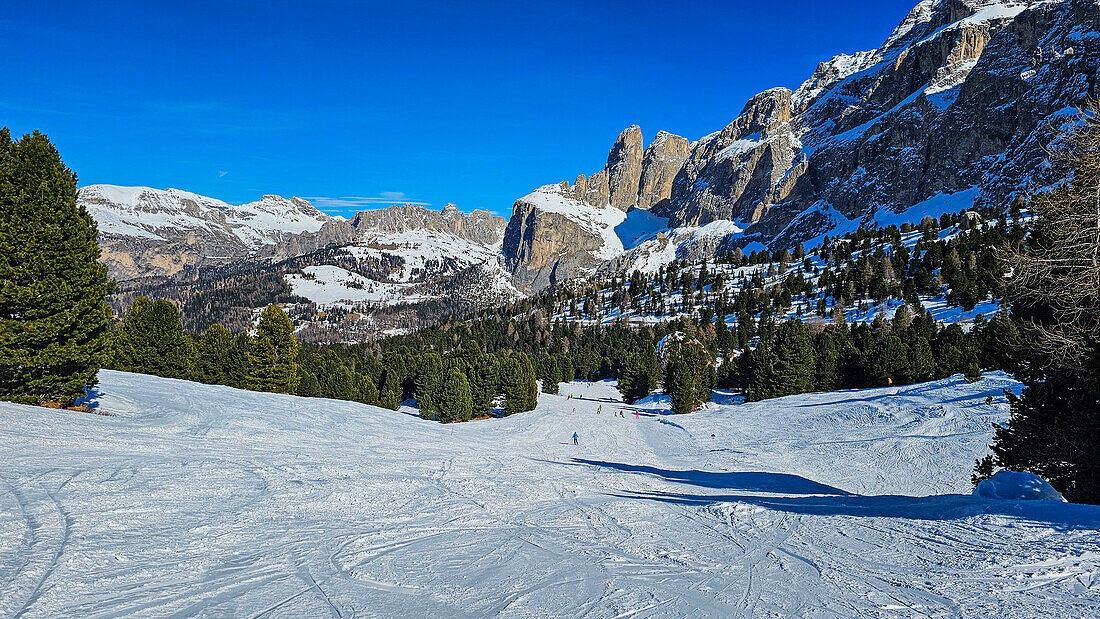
<point x="90" y="398"/>
<point x="805" y="496"/>
<point x="753" y="481"/>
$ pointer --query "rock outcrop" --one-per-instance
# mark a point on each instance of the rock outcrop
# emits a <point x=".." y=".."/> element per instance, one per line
<point x="660" y="164"/>
<point x="624" y="169"/>
<point x="962" y="99"/>
<point x="553" y="236"/>
<point x="480" y="227"/>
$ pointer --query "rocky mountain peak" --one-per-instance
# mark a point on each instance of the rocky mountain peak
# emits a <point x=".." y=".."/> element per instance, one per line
<point x="624" y="168"/>
<point x="960" y="100"/>
<point x="478" y="227"/>
<point x="660" y="163"/>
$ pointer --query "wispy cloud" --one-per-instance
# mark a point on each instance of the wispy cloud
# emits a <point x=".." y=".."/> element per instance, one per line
<point x="344" y="204"/>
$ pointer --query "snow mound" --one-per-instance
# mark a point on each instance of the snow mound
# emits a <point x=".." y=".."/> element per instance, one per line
<point x="1016" y="486"/>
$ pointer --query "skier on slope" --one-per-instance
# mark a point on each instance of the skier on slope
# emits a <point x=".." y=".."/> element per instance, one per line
<point x="576" y="439"/>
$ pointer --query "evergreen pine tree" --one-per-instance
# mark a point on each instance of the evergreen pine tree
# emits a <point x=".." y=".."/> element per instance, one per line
<point x="551" y="376"/>
<point x="794" y="358"/>
<point x="529" y="387"/>
<point x="212" y="352"/>
<point x="921" y="363"/>
<point x="429" y="381"/>
<point x="237" y="363"/>
<point x="1054" y="295"/>
<point x="368" y="391"/>
<point x="150" y="340"/>
<point x="390" y="399"/>
<point x="511" y="384"/>
<point x="456" y="402"/>
<point x="309" y="386"/>
<point x="53" y="310"/>
<point x="273" y="365"/>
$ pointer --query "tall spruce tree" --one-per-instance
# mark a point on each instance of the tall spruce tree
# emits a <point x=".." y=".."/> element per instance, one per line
<point x="150" y="340"/>
<point x="456" y="404"/>
<point x="237" y="361"/>
<point x="551" y="376"/>
<point x="213" y="350"/>
<point x="53" y="310"/>
<point x="794" y="363"/>
<point x="273" y="364"/>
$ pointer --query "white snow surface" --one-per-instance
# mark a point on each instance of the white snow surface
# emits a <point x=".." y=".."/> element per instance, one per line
<point x="420" y="247"/>
<point x="205" y="500"/>
<point x="331" y="285"/>
<point x="1017" y="486"/>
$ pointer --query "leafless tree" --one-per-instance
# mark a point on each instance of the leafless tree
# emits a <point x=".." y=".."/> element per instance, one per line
<point x="1055" y="279"/>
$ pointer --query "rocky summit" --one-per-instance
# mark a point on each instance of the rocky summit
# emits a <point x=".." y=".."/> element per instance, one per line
<point x="959" y="106"/>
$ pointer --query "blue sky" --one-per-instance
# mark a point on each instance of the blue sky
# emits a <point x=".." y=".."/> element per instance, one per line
<point x="357" y="104"/>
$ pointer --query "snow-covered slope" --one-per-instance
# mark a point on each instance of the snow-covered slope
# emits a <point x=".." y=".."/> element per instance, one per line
<point x="203" y="500"/>
<point x="405" y="266"/>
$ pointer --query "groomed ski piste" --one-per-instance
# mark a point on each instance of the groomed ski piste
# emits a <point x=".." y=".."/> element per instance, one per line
<point x="195" y="500"/>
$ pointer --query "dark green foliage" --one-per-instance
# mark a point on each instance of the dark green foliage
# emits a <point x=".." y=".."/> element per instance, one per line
<point x="456" y="402"/>
<point x="1053" y="341"/>
<point x="551" y="376"/>
<point x="53" y="314"/>
<point x="517" y="382"/>
<point x="638" y="377"/>
<point x="309" y="386"/>
<point x="150" y="340"/>
<point x="689" y="374"/>
<point x="236" y="363"/>
<point x="794" y="358"/>
<point x="429" y="384"/>
<point x="273" y="364"/>
<point x="213" y="350"/>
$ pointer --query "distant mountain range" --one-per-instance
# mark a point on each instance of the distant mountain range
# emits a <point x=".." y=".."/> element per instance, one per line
<point x="393" y="268"/>
<point x="956" y="108"/>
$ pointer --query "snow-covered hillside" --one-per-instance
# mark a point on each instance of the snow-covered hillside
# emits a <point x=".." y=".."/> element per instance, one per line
<point x="204" y="500"/>
<point x="144" y="212"/>
<point x="146" y="232"/>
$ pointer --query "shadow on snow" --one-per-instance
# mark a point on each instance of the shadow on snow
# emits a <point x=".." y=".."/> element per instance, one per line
<point x="805" y="496"/>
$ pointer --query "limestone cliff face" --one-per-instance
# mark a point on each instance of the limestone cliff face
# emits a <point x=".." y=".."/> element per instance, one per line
<point x="624" y="169"/>
<point x="737" y="173"/>
<point x="964" y="96"/>
<point x="553" y="237"/>
<point x="660" y="163"/>
<point x="480" y="227"/>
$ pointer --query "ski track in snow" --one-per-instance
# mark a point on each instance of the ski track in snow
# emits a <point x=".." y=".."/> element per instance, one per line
<point x="205" y="500"/>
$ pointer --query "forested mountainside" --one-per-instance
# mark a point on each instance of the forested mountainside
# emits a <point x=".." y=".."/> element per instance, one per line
<point x="955" y="109"/>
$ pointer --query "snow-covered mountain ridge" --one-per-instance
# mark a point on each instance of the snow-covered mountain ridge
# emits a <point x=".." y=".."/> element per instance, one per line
<point x="961" y="100"/>
<point x="353" y="279"/>
<point x="147" y="232"/>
